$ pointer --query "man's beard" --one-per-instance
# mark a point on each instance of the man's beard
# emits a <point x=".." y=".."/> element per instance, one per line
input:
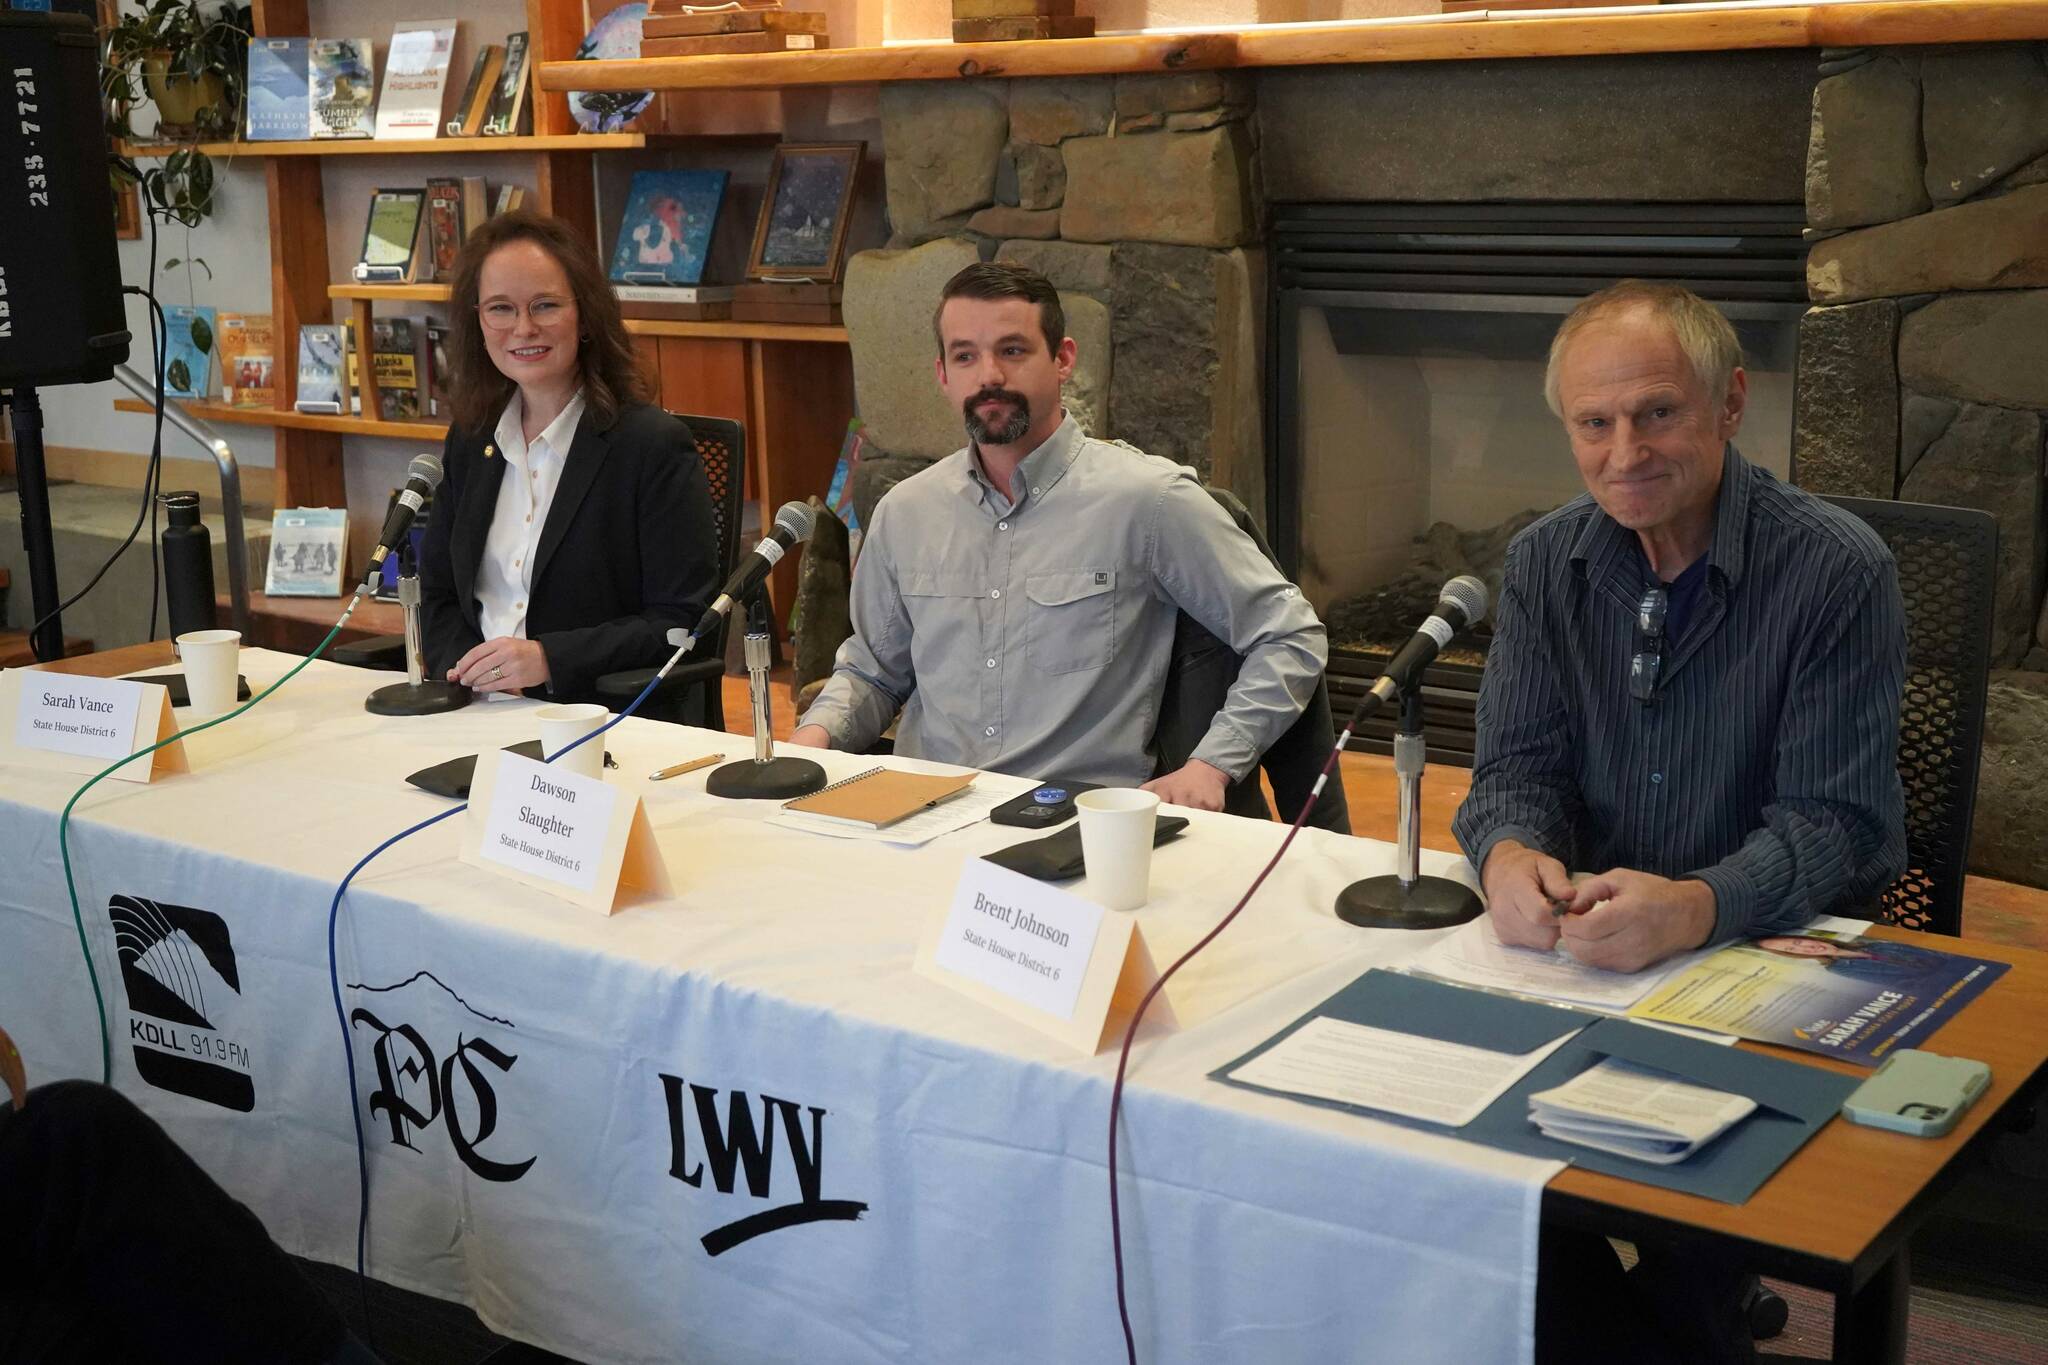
<point x="1009" y="430"/>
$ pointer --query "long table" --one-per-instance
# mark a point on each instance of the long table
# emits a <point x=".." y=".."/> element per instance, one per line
<point x="734" y="1126"/>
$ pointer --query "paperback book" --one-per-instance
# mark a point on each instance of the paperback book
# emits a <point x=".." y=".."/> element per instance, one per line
<point x="278" y="101"/>
<point x="444" y="227"/>
<point x="416" y="78"/>
<point x="188" y="351"/>
<point x="467" y="118"/>
<point x="437" y="368"/>
<point x="396" y="358"/>
<point x="507" y="111"/>
<point x="243" y="340"/>
<point x="323" y="361"/>
<point x="307" y="546"/>
<point x="389" y="235"/>
<point x="344" y="87"/>
<point x="665" y="233"/>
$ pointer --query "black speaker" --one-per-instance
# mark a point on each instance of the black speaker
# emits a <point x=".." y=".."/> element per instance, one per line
<point x="61" y="319"/>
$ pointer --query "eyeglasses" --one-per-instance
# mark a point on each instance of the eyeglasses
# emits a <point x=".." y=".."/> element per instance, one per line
<point x="1648" y="663"/>
<point x="502" y="315"/>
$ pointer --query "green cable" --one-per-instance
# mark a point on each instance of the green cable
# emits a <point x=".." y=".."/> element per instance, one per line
<point x="99" y="1001"/>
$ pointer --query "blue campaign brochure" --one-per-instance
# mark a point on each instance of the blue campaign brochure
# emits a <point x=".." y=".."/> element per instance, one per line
<point x="279" y="100"/>
<point x="188" y="352"/>
<point x="666" y="231"/>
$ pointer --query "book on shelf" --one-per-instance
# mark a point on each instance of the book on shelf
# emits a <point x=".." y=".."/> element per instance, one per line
<point x="714" y="22"/>
<point x="725" y="43"/>
<point x="343" y="78"/>
<point x="508" y="112"/>
<point x="323" y="349"/>
<point x="444" y="228"/>
<point x="352" y="343"/>
<point x="416" y="78"/>
<point x="188" y="351"/>
<point x="398" y="362"/>
<point x="675" y="303"/>
<point x="390" y="236"/>
<point x="665" y="232"/>
<point x="476" y="203"/>
<point x="436" y="353"/>
<point x="468" y="120"/>
<point x="510" y="197"/>
<point x="278" y="103"/>
<point x="244" y="342"/>
<point x="307" y="548"/>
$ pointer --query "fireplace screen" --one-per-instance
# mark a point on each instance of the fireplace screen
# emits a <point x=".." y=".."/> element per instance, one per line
<point x="1413" y="439"/>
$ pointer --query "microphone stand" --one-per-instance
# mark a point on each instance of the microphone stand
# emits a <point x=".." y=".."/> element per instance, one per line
<point x="417" y="695"/>
<point x="1407" y="899"/>
<point x="764" y="777"/>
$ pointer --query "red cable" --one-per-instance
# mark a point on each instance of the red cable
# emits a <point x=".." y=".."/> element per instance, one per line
<point x="1123" y="1061"/>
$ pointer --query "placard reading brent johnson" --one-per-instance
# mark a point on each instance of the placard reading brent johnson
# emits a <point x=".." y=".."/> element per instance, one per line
<point x="548" y="822"/>
<point x="1020" y="937"/>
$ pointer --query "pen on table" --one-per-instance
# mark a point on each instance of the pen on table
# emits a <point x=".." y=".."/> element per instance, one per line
<point x="690" y="766"/>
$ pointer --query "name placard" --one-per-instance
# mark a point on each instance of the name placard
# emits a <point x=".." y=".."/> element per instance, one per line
<point x="1055" y="961"/>
<point x="68" y="723"/>
<point x="579" y="837"/>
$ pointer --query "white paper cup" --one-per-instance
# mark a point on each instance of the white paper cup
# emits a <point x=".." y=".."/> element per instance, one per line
<point x="561" y="726"/>
<point x="1116" y="843"/>
<point x="212" y="660"/>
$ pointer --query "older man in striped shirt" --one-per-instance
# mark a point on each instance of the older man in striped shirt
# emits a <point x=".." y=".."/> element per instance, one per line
<point x="1692" y="699"/>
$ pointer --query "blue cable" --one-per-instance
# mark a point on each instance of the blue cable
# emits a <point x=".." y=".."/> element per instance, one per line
<point x="334" y="981"/>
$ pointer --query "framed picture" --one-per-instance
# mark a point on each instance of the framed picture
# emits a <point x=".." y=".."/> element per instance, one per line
<point x="802" y="231"/>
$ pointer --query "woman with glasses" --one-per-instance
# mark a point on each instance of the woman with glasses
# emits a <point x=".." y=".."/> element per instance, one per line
<point x="574" y="526"/>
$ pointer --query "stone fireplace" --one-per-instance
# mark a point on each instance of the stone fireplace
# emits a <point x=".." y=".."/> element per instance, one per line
<point x="1173" y="211"/>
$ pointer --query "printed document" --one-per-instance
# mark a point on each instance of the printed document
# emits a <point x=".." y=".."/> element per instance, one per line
<point x="1475" y="956"/>
<point x="1395" y="1073"/>
<point x="1638" y="1112"/>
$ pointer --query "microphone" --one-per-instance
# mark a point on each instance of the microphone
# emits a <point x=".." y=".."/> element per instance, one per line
<point x="1462" y="603"/>
<point x="793" y="526"/>
<point x="423" y="476"/>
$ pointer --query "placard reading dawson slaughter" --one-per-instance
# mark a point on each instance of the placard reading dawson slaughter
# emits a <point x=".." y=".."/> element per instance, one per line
<point x="1020" y="937"/>
<point x="548" y="822"/>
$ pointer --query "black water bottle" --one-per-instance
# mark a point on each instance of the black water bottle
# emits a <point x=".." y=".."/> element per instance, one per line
<point x="188" y="564"/>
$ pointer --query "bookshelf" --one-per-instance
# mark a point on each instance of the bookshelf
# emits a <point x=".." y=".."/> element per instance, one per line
<point x="791" y="386"/>
<point x="212" y="410"/>
<point x="431" y="146"/>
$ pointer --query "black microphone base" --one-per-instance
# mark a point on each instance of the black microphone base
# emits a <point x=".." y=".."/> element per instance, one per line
<point x="417" y="699"/>
<point x="1427" y="903"/>
<point x="778" y="779"/>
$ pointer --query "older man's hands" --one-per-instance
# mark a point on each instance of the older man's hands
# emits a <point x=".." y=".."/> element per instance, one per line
<point x="1626" y="920"/>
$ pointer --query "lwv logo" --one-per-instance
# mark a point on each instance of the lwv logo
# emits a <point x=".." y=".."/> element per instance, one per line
<point x="731" y="1145"/>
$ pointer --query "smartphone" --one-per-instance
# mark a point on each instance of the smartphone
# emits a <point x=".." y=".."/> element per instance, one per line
<point x="1049" y="803"/>
<point x="1918" y="1093"/>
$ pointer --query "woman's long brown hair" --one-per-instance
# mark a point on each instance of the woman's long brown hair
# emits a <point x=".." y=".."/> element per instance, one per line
<point x="477" y="390"/>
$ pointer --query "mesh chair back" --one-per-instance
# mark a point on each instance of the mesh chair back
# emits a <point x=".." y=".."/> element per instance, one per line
<point x="1948" y="565"/>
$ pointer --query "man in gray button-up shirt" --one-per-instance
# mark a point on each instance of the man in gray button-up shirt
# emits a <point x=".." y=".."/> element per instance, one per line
<point x="1016" y="601"/>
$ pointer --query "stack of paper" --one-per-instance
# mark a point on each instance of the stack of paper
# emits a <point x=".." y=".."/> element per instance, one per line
<point x="1637" y="1112"/>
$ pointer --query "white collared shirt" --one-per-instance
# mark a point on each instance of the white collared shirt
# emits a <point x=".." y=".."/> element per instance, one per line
<point x="504" y="580"/>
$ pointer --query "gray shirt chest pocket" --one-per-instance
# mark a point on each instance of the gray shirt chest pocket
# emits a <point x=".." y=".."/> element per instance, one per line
<point x="1072" y="619"/>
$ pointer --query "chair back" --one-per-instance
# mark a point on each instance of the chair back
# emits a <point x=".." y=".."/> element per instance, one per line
<point x="722" y="446"/>
<point x="1948" y="567"/>
<point x="1198" y="680"/>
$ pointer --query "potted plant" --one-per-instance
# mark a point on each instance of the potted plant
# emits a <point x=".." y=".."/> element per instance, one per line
<point x="191" y="63"/>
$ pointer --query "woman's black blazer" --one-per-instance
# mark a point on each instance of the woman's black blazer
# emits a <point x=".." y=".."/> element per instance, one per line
<point x="629" y="549"/>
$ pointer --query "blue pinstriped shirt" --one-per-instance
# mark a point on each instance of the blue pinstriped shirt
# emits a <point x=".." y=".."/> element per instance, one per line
<point x="1766" y="763"/>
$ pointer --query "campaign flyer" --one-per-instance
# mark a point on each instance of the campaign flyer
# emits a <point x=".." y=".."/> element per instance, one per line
<point x="1836" y="994"/>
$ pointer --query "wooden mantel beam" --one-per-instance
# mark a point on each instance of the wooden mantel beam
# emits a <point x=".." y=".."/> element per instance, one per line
<point x="1510" y="34"/>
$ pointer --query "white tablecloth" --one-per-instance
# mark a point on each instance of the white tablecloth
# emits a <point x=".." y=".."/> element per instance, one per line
<point x="562" y="1108"/>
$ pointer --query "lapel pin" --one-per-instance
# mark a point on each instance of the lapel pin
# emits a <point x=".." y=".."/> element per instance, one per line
<point x="490" y="450"/>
